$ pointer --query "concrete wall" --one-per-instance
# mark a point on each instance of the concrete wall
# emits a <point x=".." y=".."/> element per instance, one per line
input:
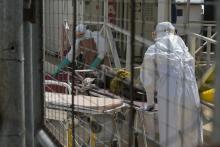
<point x="55" y="12"/>
<point x="195" y="15"/>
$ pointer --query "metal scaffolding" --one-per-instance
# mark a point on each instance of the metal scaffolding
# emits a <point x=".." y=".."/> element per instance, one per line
<point x="84" y="105"/>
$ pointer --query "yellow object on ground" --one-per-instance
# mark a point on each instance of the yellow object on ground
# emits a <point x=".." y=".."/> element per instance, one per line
<point x="208" y="95"/>
<point x="123" y="73"/>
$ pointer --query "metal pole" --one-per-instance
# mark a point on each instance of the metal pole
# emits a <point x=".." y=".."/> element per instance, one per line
<point x="163" y="10"/>
<point x="216" y="129"/>
<point x="12" y="110"/>
<point x="82" y="10"/>
<point x="128" y="54"/>
<point x="186" y="21"/>
<point x="74" y="17"/>
<point x="44" y="139"/>
<point x="105" y="13"/>
<point x="37" y="59"/>
<point x="132" y="46"/>
<point x="209" y="34"/>
<point x="28" y="74"/>
<point x="169" y="10"/>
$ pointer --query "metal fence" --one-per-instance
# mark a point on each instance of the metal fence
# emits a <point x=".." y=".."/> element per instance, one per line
<point x="93" y="94"/>
<point x="81" y="85"/>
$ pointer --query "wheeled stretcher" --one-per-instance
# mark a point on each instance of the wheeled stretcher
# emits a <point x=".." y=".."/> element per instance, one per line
<point x="94" y="114"/>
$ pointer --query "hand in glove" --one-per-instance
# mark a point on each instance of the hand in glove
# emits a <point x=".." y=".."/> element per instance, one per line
<point x="148" y="107"/>
<point x="95" y="63"/>
<point x="60" y="66"/>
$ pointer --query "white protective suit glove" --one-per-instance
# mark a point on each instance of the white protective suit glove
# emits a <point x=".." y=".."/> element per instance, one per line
<point x="148" y="107"/>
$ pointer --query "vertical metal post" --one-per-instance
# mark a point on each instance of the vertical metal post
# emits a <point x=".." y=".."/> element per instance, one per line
<point x="80" y="10"/>
<point x="105" y="13"/>
<point x="208" y="58"/>
<point x="12" y="109"/>
<point x="132" y="114"/>
<point x="125" y="14"/>
<point x="37" y="61"/>
<point x="186" y="21"/>
<point x="169" y="10"/>
<point x="110" y="37"/>
<point x="113" y="47"/>
<point x="128" y="53"/>
<point x="163" y="10"/>
<point x="105" y="20"/>
<point x="28" y="81"/>
<point x="73" y="68"/>
<point x="216" y="129"/>
<point x="193" y="45"/>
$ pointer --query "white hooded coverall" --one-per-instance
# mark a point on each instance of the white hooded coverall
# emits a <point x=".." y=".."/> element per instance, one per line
<point x="168" y="68"/>
<point x="99" y="40"/>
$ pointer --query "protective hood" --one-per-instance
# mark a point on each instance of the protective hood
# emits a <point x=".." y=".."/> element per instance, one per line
<point x="81" y="28"/>
<point x="169" y="54"/>
<point x="172" y="57"/>
<point x="164" y="29"/>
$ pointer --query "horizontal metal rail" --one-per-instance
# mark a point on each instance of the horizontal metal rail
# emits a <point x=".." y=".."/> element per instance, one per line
<point x="123" y="31"/>
<point x="204" y="44"/>
<point x="207" y="39"/>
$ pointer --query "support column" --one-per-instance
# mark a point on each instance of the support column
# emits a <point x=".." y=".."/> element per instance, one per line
<point x="28" y="81"/>
<point x="105" y="13"/>
<point x="128" y="54"/>
<point x="12" y="109"/>
<point x="163" y="10"/>
<point x="80" y="11"/>
<point x="208" y="58"/>
<point x="38" y="58"/>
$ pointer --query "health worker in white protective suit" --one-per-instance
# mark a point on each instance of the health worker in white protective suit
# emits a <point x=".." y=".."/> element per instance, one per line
<point x="168" y="69"/>
<point x="81" y="34"/>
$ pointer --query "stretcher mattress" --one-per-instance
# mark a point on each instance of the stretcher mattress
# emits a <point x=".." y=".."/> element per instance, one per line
<point x="82" y="102"/>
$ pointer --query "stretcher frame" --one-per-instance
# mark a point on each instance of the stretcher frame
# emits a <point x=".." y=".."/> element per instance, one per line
<point x="90" y="113"/>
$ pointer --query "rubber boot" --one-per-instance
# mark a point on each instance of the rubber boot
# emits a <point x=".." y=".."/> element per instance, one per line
<point x="95" y="63"/>
<point x="60" y="66"/>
